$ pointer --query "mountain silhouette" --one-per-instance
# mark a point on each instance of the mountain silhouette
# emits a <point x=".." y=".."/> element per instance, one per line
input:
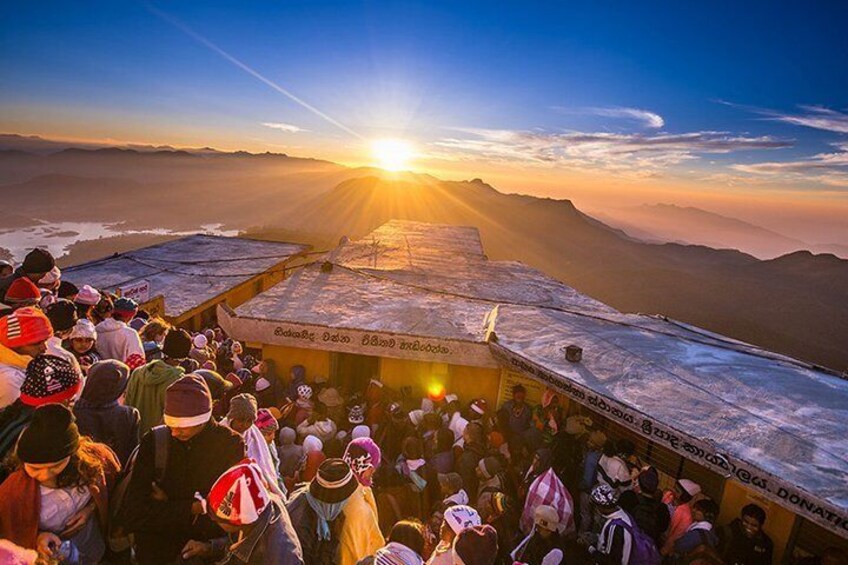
<point x="795" y="304"/>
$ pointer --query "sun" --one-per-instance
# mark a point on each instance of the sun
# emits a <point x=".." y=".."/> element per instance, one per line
<point x="392" y="154"/>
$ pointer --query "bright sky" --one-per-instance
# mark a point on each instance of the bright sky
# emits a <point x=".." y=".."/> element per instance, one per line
<point x="727" y="104"/>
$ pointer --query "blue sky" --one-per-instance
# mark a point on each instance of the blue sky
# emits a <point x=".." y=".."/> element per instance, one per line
<point x="752" y="93"/>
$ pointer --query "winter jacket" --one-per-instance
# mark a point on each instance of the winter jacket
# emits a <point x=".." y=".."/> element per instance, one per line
<point x="739" y="549"/>
<point x="272" y="540"/>
<point x="615" y="542"/>
<point x="325" y="430"/>
<point x="162" y="528"/>
<point x="13" y="420"/>
<point x="699" y="533"/>
<point x="466" y="466"/>
<point x="315" y="551"/>
<point x="19" y="513"/>
<point x="360" y="535"/>
<point x="146" y="391"/>
<point x="12" y="375"/>
<point x="116" y="340"/>
<point x="613" y="471"/>
<point x="394" y="554"/>
<point x="291" y="458"/>
<point x="652" y="517"/>
<point x="681" y="519"/>
<point x="100" y="416"/>
<point x="519" y="417"/>
<point x="442" y="462"/>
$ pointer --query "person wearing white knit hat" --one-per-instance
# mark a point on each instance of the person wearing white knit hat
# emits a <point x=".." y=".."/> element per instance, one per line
<point x="81" y="343"/>
<point x="259" y="527"/>
<point x="684" y="495"/>
<point x="456" y="518"/>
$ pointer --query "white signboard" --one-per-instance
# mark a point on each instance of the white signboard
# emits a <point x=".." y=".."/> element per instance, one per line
<point x="138" y="291"/>
<point x="362" y="342"/>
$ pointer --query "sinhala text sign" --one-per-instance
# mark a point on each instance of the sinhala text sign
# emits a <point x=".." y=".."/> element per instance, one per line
<point x="379" y="344"/>
<point x="138" y="291"/>
<point x="699" y="451"/>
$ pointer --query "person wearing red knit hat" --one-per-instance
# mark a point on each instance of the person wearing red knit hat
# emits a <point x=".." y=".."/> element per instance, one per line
<point x="260" y="530"/>
<point x="37" y="263"/>
<point x="22" y="292"/>
<point x="23" y="335"/>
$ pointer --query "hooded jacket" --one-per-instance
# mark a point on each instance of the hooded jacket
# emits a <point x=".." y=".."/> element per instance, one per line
<point x="146" y="391"/>
<point x="101" y="416"/>
<point x="12" y="375"/>
<point x="116" y="340"/>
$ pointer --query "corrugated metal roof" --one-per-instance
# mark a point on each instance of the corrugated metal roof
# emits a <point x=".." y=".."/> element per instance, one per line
<point x="768" y="421"/>
<point x="188" y="271"/>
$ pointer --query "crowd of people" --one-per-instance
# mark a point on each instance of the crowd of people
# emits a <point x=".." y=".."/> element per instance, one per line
<point x="127" y="440"/>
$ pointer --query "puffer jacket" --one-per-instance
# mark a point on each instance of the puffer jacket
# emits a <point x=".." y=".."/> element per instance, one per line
<point x="12" y="375"/>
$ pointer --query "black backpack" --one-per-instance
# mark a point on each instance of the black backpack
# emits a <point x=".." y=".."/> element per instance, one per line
<point x="119" y="540"/>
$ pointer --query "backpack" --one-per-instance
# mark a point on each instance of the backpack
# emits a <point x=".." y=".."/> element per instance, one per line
<point x="643" y="550"/>
<point x="119" y="540"/>
<point x="702" y="554"/>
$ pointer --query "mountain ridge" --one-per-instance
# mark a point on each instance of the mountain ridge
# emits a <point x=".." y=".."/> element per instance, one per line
<point x="797" y="305"/>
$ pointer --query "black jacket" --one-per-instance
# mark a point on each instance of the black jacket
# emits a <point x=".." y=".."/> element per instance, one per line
<point x="652" y="516"/>
<point x="466" y="466"/>
<point x="739" y="549"/>
<point x="162" y="528"/>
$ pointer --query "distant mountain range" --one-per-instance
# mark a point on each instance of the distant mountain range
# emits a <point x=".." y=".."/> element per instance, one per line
<point x="796" y="304"/>
<point x="661" y="223"/>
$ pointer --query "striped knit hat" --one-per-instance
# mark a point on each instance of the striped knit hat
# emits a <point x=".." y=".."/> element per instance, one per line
<point x="24" y="326"/>
<point x="50" y="380"/>
<point x="239" y="496"/>
<point x="188" y="402"/>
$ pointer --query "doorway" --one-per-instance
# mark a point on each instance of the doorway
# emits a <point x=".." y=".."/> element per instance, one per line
<point x="351" y="373"/>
